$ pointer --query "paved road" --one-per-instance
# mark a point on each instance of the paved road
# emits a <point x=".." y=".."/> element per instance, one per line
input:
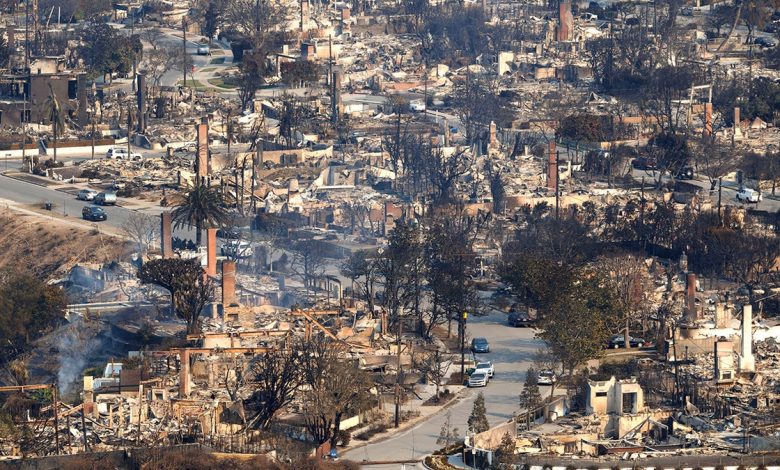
<point x="728" y="196"/>
<point x="27" y="193"/>
<point x="512" y="349"/>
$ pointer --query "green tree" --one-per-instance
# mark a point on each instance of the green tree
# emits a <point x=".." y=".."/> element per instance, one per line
<point x="478" y="421"/>
<point x="530" y="398"/>
<point x="576" y="327"/>
<point x="300" y="71"/>
<point x="188" y="285"/>
<point x="106" y="51"/>
<point x="56" y="117"/>
<point x="199" y="206"/>
<point x="505" y="453"/>
<point x="28" y="308"/>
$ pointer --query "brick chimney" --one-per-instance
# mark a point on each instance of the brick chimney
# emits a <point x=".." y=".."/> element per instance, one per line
<point x="211" y="251"/>
<point x="552" y="167"/>
<point x="202" y="164"/>
<point x="708" y="119"/>
<point x="228" y="283"/>
<point x="166" y="243"/>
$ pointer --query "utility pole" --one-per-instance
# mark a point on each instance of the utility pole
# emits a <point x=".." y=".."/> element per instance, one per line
<point x="24" y="126"/>
<point x="463" y="344"/>
<point x="92" y="120"/>
<point x="642" y="213"/>
<point x="27" y="35"/>
<point x="720" y="192"/>
<point x="557" y="182"/>
<point x="129" y="128"/>
<point x="184" y="50"/>
<point x="398" y="373"/>
<point x="132" y="33"/>
<point x="84" y="429"/>
<point x="56" y="417"/>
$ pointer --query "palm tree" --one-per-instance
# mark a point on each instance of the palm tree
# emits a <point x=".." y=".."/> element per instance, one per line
<point x="199" y="206"/>
<point x="55" y="116"/>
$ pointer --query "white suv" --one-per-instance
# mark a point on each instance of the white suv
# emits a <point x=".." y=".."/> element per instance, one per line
<point x="748" y="195"/>
<point x="120" y="153"/>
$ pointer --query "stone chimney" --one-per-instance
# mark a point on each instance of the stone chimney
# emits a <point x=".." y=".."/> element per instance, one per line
<point x="684" y="262"/>
<point x="493" y="140"/>
<point x="721" y="319"/>
<point x="690" y="297"/>
<point x="747" y="363"/>
<point x="166" y="243"/>
<point x="708" y="119"/>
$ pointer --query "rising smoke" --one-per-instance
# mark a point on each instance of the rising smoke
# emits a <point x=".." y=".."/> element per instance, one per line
<point x="75" y="345"/>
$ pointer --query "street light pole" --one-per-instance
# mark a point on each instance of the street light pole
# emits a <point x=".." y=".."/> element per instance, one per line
<point x="463" y="345"/>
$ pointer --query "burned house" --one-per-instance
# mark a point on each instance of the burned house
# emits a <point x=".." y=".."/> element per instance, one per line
<point x="24" y="96"/>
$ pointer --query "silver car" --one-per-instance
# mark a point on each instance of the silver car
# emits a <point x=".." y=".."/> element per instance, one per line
<point x="478" y="379"/>
<point x="87" y="194"/>
<point x="546" y="377"/>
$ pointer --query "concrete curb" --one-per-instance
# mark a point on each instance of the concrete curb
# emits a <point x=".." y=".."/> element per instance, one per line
<point x="406" y="426"/>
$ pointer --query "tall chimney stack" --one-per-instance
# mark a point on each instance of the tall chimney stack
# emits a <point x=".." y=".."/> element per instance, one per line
<point x="202" y="164"/>
<point x="211" y="251"/>
<point x="747" y="363"/>
<point x="690" y="297"/>
<point x="552" y="167"/>
<point x="141" y="97"/>
<point x="228" y="283"/>
<point x="166" y="243"/>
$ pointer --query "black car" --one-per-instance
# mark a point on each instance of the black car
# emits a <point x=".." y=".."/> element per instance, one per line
<point x="93" y="213"/>
<point x="480" y="345"/>
<point x="619" y="341"/>
<point x="644" y="163"/>
<point x="685" y="173"/>
<point x="520" y="319"/>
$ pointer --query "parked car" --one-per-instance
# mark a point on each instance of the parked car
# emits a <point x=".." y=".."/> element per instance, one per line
<point x="519" y="319"/>
<point x="619" y="341"/>
<point x="478" y="379"/>
<point x="231" y="233"/>
<point x="203" y="49"/>
<point x="105" y="199"/>
<point x="87" y="194"/>
<point x="546" y="377"/>
<point x="480" y="345"/>
<point x="765" y="41"/>
<point x="644" y="163"/>
<point x="93" y="213"/>
<point x="685" y="173"/>
<point x="748" y="195"/>
<point x="236" y="249"/>
<point x="486" y="367"/>
<point x="119" y="153"/>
